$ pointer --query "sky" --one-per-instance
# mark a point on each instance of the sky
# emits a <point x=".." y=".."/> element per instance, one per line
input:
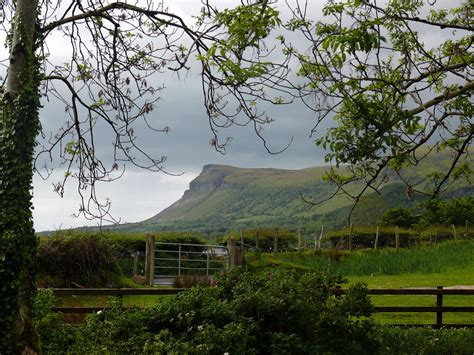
<point x="140" y="194"/>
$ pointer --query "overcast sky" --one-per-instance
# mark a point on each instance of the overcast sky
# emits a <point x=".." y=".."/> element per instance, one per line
<point x="140" y="194"/>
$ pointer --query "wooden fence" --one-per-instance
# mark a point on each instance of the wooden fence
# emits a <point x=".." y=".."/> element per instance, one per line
<point x="438" y="309"/>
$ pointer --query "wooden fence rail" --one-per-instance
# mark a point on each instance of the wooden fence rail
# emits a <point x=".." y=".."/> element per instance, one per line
<point x="438" y="308"/>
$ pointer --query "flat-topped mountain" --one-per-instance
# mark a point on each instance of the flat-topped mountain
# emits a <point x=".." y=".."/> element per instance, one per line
<point x="237" y="193"/>
<point x="223" y="198"/>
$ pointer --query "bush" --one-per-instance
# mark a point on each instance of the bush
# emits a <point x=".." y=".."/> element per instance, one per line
<point x="266" y="238"/>
<point x="426" y="341"/>
<point x="277" y="312"/>
<point x="401" y="216"/>
<point x="456" y="211"/>
<point x="87" y="260"/>
<point x="365" y="238"/>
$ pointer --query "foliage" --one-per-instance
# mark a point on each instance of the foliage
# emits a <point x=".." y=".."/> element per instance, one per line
<point x="87" y="260"/>
<point x="456" y="212"/>
<point x="94" y="259"/>
<point x="50" y="325"/>
<point x="399" y="216"/>
<point x="266" y="238"/>
<point x="425" y="341"/>
<point x="19" y="126"/>
<point x="387" y="89"/>
<point x="365" y="237"/>
<point x="135" y="242"/>
<point x="267" y="312"/>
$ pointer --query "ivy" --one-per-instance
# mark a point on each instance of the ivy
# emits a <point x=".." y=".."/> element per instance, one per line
<point x="19" y="126"/>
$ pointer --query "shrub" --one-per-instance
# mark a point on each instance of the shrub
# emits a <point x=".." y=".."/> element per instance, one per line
<point x="365" y="238"/>
<point x="266" y="238"/>
<point x="53" y="333"/>
<point x="400" y="216"/>
<point x="426" y="341"/>
<point x="88" y="260"/>
<point x="277" y="312"/>
<point x="456" y="211"/>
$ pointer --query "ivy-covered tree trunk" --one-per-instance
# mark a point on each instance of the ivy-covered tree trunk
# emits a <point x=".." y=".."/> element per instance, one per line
<point x="19" y="125"/>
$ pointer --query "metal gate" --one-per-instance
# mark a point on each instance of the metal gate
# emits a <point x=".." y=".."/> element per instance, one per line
<point x="180" y="260"/>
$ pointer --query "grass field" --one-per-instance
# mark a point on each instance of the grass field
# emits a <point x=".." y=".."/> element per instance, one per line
<point x="446" y="264"/>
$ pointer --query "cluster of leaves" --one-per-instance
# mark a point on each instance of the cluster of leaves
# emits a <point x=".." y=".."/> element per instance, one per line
<point x="246" y="27"/>
<point x="386" y="89"/>
<point x="456" y="212"/>
<point x="267" y="312"/>
<point x="87" y="260"/>
<point x="426" y="341"/>
<point x="399" y="216"/>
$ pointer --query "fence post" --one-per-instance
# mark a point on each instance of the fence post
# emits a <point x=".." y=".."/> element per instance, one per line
<point x="439" y="312"/>
<point x="231" y="249"/>
<point x="257" y="246"/>
<point x="275" y="241"/>
<point x="299" y="240"/>
<point x="135" y="264"/>
<point x="208" y="252"/>
<point x="454" y="231"/>
<point x="150" y="260"/>
<point x="350" y="236"/>
<point x="242" y="248"/>
<point x="320" y="237"/>
<point x="179" y="260"/>
<point x="376" y="238"/>
<point x="397" y="238"/>
<point x="467" y="228"/>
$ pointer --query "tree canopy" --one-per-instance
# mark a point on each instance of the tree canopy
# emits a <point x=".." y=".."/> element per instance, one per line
<point x="396" y="79"/>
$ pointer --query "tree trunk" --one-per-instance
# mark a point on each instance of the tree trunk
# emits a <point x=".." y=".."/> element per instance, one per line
<point x="19" y="126"/>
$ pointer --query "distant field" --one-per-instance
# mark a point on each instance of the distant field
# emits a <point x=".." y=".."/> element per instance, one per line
<point x="447" y="264"/>
<point x="368" y="262"/>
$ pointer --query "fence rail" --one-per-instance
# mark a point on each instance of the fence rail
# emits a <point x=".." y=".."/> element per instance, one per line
<point x="438" y="309"/>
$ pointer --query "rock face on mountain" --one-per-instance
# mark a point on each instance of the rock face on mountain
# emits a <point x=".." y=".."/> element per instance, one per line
<point x="219" y="188"/>
<point x="224" y="197"/>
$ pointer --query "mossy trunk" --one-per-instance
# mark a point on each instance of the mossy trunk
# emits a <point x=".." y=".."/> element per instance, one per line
<point x="19" y="126"/>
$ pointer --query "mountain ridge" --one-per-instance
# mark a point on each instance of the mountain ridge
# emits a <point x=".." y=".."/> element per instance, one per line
<point x="223" y="198"/>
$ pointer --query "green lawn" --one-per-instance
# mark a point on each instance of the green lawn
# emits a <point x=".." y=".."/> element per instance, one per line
<point x="451" y="277"/>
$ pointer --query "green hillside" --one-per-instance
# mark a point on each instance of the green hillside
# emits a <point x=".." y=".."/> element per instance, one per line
<point x="225" y="197"/>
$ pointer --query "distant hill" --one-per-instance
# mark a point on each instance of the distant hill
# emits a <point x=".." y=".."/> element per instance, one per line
<point x="225" y="197"/>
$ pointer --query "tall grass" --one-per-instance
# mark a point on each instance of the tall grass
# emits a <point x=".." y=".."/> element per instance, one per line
<point x="387" y="261"/>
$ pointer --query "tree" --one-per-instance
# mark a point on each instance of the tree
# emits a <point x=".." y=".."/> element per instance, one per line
<point x="390" y="89"/>
<point x="399" y="216"/>
<point x="116" y="51"/>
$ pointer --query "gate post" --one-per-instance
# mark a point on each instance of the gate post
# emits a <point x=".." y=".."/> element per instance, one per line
<point x="150" y="260"/>
<point x="231" y="247"/>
